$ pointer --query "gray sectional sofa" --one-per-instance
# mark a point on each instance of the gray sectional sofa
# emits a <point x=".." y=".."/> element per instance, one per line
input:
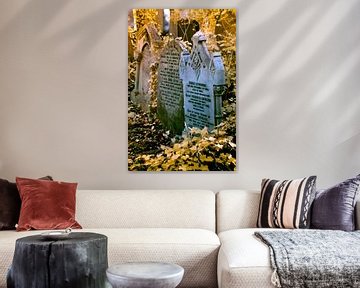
<point x="210" y="235"/>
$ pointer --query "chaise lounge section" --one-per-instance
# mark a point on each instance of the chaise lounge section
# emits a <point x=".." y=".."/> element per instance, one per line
<point x="244" y="260"/>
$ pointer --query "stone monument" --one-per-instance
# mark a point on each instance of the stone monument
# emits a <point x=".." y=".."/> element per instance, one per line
<point x="146" y="37"/>
<point x="203" y="77"/>
<point x="170" y="87"/>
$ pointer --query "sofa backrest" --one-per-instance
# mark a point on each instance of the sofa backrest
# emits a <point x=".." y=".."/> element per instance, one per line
<point x="236" y="209"/>
<point x="239" y="209"/>
<point x="146" y="209"/>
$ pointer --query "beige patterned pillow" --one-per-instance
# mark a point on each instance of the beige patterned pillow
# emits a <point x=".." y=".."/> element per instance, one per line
<point x="286" y="204"/>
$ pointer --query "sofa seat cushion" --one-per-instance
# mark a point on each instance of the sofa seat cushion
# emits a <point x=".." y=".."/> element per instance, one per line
<point x="244" y="261"/>
<point x="194" y="249"/>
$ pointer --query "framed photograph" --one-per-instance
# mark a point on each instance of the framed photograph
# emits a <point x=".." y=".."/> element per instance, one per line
<point x="182" y="90"/>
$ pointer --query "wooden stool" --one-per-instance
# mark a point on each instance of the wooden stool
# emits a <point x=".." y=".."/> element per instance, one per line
<point x="78" y="261"/>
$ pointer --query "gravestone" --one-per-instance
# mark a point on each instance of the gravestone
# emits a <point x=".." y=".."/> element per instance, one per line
<point x="146" y="37"/>
<point x="203" y="77"/>
<point x="144" y="70"/>
<point x="170" y="87"/>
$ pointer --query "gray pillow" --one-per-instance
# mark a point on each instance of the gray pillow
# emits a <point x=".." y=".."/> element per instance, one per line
<point x="334" y="208"/>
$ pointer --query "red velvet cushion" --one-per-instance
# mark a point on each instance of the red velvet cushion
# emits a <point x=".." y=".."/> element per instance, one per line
<point x="10" y="204"/>
<point x="46" y="204"/>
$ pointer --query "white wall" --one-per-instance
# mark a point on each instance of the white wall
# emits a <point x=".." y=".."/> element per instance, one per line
<point x="63" y="92"/>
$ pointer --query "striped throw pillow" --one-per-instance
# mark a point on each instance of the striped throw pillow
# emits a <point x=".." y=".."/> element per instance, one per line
<point x="286" y="204"/>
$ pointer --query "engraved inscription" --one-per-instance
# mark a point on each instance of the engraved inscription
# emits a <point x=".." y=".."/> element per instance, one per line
<point x="198" y="103"/>
<point x="204" y="81"/>
<point x="170" y="85"/>
<point x="170" y="89"/>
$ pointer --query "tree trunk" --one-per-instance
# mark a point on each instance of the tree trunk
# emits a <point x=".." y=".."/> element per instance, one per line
<point x="80" y="261"/>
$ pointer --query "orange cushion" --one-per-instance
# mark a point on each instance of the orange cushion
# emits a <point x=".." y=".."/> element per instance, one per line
<point x="46" y="204"/>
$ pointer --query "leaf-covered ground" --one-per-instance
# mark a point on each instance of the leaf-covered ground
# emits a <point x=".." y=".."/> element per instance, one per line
<point x="151" y="147"/>
<point x="145" y="135"/>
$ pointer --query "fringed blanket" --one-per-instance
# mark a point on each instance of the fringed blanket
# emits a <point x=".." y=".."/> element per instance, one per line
<point x="313" y="258"/>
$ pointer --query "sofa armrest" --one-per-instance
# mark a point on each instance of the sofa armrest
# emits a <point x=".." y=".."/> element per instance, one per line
<point x="357" y="215"/>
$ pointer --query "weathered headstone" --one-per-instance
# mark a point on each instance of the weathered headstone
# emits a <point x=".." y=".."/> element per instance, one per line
<point x="203" y="78"/>
<point x="170" y="87"/>
<point x="145" y="38"/>
<point x="144" y="70"/>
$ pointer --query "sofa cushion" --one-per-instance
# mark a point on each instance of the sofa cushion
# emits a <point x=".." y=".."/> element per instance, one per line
<point x="244" y="261"/>
<point x="334" y="208"/>
<point x="10" y="204"/>
<point x="236" y="209"/>
<point x="194" y="249"/>
<point x="153" y="209"/>
<point x="286" y="204"/>
<point x="46" y="204"/>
